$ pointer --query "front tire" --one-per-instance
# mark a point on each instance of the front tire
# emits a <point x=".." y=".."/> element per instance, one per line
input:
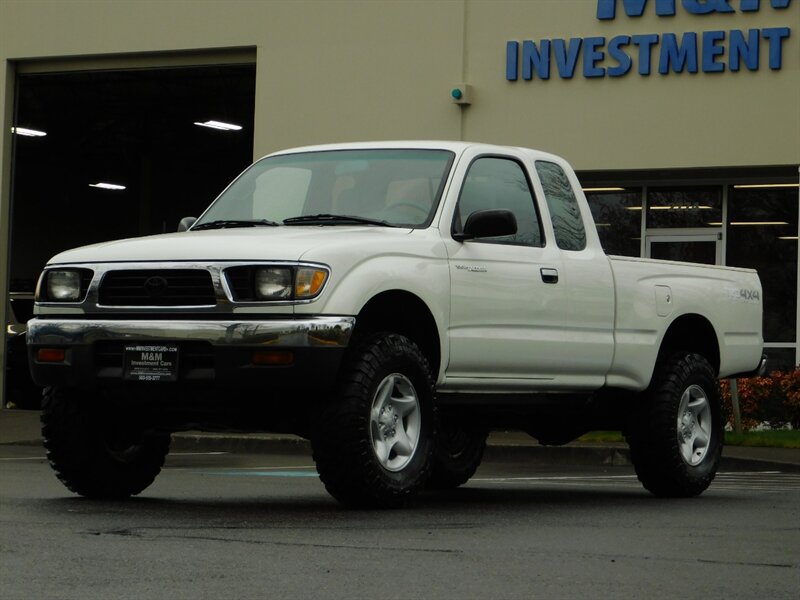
<point x="372" y="444"/>
<point x="96" y="452"/>
<point x="676" y="435"/>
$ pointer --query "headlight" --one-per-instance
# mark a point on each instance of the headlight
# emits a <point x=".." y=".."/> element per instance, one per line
<point x="63" y="285"/>
<point x="273" y="283"/>
<point x="282" y="283"/>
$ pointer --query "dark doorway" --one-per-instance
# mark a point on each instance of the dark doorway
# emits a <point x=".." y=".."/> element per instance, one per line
<point x="130" y="128"/>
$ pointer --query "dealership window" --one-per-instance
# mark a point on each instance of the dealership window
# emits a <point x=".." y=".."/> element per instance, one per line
<point x="762" y="235"/>
<point x="617" y="213"/>
<point x="684" y="207"/>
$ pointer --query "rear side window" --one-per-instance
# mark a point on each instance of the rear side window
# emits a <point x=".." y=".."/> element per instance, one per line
<point x="564" y="210"/>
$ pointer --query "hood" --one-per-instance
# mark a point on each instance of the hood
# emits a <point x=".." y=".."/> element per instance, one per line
<point x="239" y="244"/>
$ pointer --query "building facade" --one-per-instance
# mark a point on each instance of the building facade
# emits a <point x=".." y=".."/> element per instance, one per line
<point x="682" y="117"/>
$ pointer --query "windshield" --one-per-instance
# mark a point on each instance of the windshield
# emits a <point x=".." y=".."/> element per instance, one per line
<point x="373" y="187"/>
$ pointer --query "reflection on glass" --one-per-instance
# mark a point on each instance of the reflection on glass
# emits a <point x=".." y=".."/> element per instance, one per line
<point x="498" y="183"/>
<point x="618" y="217"/>
<point x="766" y="249"/>
<point x="564" y="211"/>
<point x="395" y="187"/>
<point x="780" y="359"/>
<point x="694" y="252"/>
<point x="684" y="207"/>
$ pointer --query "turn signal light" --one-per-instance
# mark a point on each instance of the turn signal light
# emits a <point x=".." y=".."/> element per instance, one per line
<point x="272" y="357"/>
<point x="309" y="282"/>
<point x="51" y="355"/>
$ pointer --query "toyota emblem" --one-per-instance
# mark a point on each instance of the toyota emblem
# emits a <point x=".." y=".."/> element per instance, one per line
<point x="155" y="286"/>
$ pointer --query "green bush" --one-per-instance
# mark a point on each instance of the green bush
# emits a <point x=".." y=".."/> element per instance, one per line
<point x="774" y="399"/>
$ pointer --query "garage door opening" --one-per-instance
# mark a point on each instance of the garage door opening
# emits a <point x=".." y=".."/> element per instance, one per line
<point x="124" y="153"/>
<point x="103" y="155"/>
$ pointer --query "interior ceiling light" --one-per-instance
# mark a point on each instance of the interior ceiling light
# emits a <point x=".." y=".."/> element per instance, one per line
<point x="682" y="207"/>
<point x="759" y="223"/>
<point x="219" y="125"/>
<point x="766" y="185"/>
<point x="788" y="237"/>
<point x="604" y="189"/>
<point x="107" y="186"/>
<point x="27" y="132"/>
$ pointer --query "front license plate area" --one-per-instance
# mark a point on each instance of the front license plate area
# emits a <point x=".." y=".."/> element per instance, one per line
<point x="150" y="363"/>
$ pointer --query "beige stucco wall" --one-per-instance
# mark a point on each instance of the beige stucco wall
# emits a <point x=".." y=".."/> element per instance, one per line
<point x="334" y="70"/>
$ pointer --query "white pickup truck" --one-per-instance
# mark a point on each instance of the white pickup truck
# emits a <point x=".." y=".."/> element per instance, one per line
<point x="392" y="303"/>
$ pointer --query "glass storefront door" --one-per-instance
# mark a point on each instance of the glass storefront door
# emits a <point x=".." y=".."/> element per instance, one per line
<point x="704" y="249"/>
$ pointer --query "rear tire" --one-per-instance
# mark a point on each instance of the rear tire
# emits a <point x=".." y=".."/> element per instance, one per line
<point x="372" y="444"/>
<point x="458" y="454"/>
<point x="96" y="452"/>
<point x="676" y="434"/>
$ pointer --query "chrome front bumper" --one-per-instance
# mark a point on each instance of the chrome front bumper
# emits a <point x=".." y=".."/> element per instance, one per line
<point x="330" y="332"/>
<point x="214" y="354"/>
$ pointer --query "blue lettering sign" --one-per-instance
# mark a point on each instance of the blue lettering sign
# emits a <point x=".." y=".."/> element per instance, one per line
<point x="607" y="9"/>
<point x="592" y="56"/>
<point x="711" y="51"/>
<point x="566" y="56"/>
<point x="645" y="43"/>
<point x="744" y="50"/>
<point x="755" y="5"/>
<point x="512" y="60"/>
<point x="708" y="51"/>
<point x="775" y="35"/>
<point x="678" y="56"/>
<point x="616" y="52"/>
<point x="537" y="59"/>
<point x="704" y="7"/>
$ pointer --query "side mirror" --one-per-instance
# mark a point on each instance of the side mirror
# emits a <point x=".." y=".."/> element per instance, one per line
<point x="186" y="222"/>
<point x="488" y="223"/>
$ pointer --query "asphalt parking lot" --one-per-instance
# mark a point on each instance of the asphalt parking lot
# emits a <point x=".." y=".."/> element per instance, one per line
<point x="224" y="524"/>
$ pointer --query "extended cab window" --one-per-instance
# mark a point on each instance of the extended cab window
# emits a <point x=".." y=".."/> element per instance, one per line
<point x="564" y="209"/>
<point x="500" y="183"/>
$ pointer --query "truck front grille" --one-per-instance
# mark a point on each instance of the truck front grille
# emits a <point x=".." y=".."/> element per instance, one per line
<point x="157" y="287"/>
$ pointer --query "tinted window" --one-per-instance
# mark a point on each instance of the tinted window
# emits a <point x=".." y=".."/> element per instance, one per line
<point x="564" y="210"/>
<point x="762" y="235"/>
<point x="500" y="183"/>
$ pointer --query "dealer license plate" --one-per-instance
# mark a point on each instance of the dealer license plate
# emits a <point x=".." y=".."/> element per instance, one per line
<point x="150" y="363"/>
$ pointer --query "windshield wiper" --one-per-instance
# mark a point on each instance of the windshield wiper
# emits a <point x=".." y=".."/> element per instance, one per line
<point x="335" y="220"/>
<point x="226" y="224"/>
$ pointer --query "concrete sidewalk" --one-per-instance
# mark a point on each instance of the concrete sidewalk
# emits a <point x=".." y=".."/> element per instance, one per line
<point x="21" y="427"/>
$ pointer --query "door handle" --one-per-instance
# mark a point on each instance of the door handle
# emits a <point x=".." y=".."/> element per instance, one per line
<point x="549" y="275"/>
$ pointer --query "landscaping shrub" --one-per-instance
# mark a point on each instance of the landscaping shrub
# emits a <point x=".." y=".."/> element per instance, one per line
<point x="790" y="385"/>
<point x="772" y="400"/>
